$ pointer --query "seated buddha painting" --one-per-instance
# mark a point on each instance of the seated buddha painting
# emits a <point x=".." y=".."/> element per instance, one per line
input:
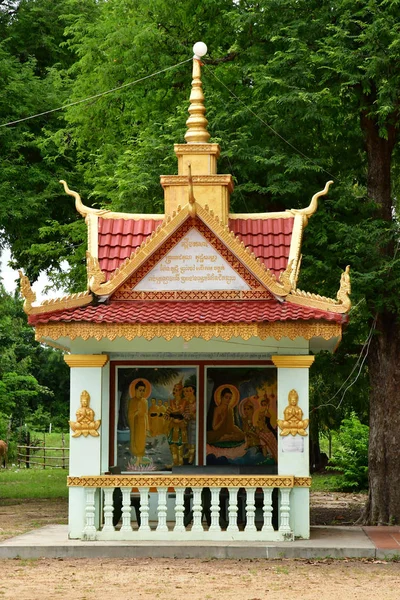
<point x="241" y="416"/>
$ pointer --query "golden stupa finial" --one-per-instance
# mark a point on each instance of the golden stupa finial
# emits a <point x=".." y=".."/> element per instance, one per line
<point x="197" y="123"/>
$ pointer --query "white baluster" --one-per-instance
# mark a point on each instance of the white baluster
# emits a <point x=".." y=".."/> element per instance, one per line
<point x="89" y="531"/>
<point x="250" y="509"/>
<point x="144" y="509"/>
<point x="179" y="509"/>
<point x="267" y="509"/>
<point x="162" y="509"/>
<point x="215" y="491"/>
<point x="233" y="509"/>
<point x="284" y="525"/>
<point x="126" y="509"/>
<point x="108" y="509"/>
<point x="197" y="509"/>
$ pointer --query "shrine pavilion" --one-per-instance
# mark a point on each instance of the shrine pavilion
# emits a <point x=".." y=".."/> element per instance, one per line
<point x="189" y="355"/>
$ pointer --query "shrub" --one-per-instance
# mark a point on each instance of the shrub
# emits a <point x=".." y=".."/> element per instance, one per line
<point x="351" y="455"/>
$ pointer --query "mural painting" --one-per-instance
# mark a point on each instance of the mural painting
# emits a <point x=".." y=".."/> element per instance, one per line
<point x="242" y="416"/>
<point x="157" y="412"/>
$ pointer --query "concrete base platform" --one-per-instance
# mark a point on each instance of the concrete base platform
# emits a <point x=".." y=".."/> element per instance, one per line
<point x="334" y="542"/>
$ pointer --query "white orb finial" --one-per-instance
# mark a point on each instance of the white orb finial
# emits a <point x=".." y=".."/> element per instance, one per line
<point x="199" y="49"/>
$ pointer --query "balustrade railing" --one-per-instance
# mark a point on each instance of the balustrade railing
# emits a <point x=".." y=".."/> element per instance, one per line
<point x="177" y="508"/>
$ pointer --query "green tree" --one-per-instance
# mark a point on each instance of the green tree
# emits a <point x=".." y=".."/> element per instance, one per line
<point x="32" y="378"/>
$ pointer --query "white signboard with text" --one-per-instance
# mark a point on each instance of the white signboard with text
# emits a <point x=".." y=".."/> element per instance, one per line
<point x="193" y="264"/>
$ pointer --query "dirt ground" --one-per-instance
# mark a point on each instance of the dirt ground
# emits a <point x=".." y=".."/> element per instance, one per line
<point x="177" y="579"/>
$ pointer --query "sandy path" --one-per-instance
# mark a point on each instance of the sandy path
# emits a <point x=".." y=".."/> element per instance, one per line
<point x="192" y="579"/>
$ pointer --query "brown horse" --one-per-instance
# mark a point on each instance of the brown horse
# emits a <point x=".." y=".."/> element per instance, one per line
<point x="3" y="452"/>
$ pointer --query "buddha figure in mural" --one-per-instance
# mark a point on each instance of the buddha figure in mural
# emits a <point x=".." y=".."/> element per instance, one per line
<point x="85" y="424"/>
<point x="189" y="394"/>
<point x="224" y="428"/>
<point x="138" y="420"/>
<point x="177" y="425"/>
<point x="293" y="422"/>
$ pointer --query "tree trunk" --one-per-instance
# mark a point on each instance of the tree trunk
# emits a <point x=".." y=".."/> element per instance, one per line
<point x="383" y="506"/>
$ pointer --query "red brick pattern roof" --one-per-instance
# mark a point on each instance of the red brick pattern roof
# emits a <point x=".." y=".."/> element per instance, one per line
<point x="189" y="312"/>
<point x="269" y="239"/>
<point x="118" y="238"/>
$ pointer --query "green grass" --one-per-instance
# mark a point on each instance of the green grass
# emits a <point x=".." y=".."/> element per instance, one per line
<point x="33" y="483"/>
<point x="324" y="482"/>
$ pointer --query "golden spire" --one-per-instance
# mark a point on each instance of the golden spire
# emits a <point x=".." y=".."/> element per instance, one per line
<point x="197" y="123"/>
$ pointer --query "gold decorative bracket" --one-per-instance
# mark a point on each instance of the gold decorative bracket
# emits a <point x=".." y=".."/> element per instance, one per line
<point x="86" y="360"/>
<point x="298" y="361"/>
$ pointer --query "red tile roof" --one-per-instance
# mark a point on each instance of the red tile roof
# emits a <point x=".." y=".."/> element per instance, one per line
<point x="118" y="238"/>
<point x="269" y="239"/>
<point x="189" y="312"/>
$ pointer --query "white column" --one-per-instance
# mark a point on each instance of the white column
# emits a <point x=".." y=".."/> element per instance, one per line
<point x="179" y="509"/>
<point x="215" y="509"/>
<point x="162" y="509"/>
<point x="197" y="509"/>
<point x="233" y="509"/>
<point x="85" y="452"/>
<point x="293" y="452"/>
<point x="250" y="510"/>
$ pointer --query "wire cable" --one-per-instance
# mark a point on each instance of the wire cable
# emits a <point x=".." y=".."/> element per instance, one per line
<point x="269" y="126"/>
<point x="95" y="96"/>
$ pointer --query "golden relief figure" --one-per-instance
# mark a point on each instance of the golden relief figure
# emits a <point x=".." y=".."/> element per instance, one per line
<point x="85" y="424"/>
<point x="293" y="421"/>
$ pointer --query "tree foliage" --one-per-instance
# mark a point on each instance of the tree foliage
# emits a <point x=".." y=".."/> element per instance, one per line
<point x="32" y="377"/>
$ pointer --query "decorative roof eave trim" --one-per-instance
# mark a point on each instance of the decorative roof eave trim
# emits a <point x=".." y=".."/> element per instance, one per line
<point x="97" y="279"/>
<point x="287" y="214"/>
<point x="280" y="287"/>
<point x="48" y="306"/>
<point x="103" y="212"/>
<point x="305" y="213"/>
<point x="188" y="331"/>
<point x="312" y="207"/>
<point x="341" y="305"/>
<point x="295" y="249"/>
